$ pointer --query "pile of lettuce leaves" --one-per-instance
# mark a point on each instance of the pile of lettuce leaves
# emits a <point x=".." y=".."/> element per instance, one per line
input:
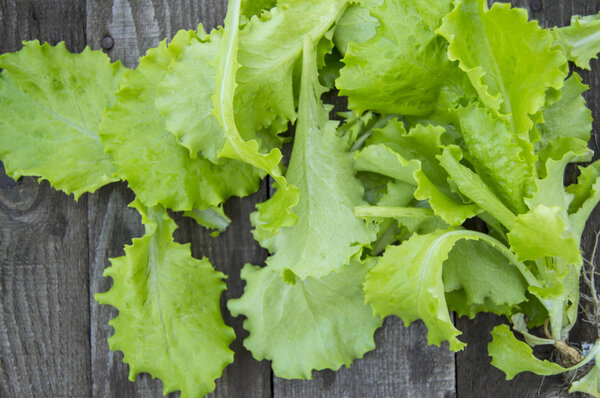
<point x="458" y="115"/>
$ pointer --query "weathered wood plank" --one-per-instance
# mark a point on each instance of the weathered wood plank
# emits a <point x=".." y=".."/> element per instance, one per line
<point x="51" y="21"/>
<point x="134" y="26"/>
<point x="44" y="313"/>
<point x="475" y="375"/>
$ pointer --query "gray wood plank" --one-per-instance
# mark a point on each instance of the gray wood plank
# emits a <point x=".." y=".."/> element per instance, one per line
<point x="134" y="26"/>
<point x="475" y="376"/>
<point x="46" y="20"/>
<point x="44" y="313"/>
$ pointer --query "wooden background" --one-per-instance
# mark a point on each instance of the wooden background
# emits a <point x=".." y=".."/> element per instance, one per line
<point x="53" y="252"/>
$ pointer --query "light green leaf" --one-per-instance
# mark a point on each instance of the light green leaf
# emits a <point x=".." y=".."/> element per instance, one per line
<point x="543" y="233"/>
<point x="256" y="7"/>
<point x="424" y="144"/>
<point x="550" y="190"/>
<point x="407" y="282"/>
<point x="472" y="186"/>
<point x="264" y="97"/>
<point x="513" y="356"/>
<point x="157" y="168"/>
<point x="169" y="322"/>
<point x="404" y="66"/>
<point x="51" y="102"/>
<point x="327" y="233"/>
<point x="496" y="157"/>
<point x="590" y="383"/>
<point x="580" y="40"/>
<point x="266" y="221"/>
<point x="312" y="324"/>
<point x="185" y="96"/>
<point x="511" y="69"/>
<point x="586" y="196"/>
<point x="421" y="145"/>
<point x="415" y="219"/>
<point x="356" y="25"/>
<point x="213" y="218"/>
<point x="383" y="160"/>
<point x="485" y="276"/>
<point x="566" y="124"/>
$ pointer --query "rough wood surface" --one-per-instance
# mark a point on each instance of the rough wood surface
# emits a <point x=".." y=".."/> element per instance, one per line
<point x="44" y="311"/>
<point x="53" y="251"/>
<point x="137" y="25"/>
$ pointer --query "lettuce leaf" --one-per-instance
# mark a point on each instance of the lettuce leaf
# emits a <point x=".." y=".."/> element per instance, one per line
<point x="493" y="152"/>
<point x="404" y="66"/>
<point x="479" y="278"/>
<point x="50" y="125"/>
<point x="407" y="282"/>
<point x="580" y="40"/>
<point x="169" y="321"/>
<point x="312" y="324"/>
<point x="511" y="69"/>
<point x="266" y="223"/>
<point x="157" y="168"/>
<point x="327" y="234"/>
<point x="264" y="99"/>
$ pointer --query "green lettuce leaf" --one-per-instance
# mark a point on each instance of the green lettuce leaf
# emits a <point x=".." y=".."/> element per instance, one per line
<point x="268" y="221"/>
<point x="157" y="168"/>
<point x="312" y="324"/>
<point x="513" y="356"/>
<point x="511" y="69"/>
<point x="264" y="98"/>
<point x="586" y="195"/>
<point x="496" y="156"/>
<point x="580" y="40"/>
<point x="169" y="321"/>
<point x="51" y="102"/>
<point x="404" y="66"/>
<point x="480" y="278"/>
<point x="566" y="125"/>
<point x="184" y="96"/>
<point x="356" y="25"/>
<point x="407" y="282"/>
<point x="590" y="383"/>
<point x="472" y="186"/>
<point x="421" y="145"/>
<point x="543" y="232"/>
<point x="256" y="7"/>
<point x="327" y="234"/>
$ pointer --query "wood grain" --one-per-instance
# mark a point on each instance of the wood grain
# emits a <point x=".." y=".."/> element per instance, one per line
<point x="137" y="25"/>
<point x="44" y="317"/>
<point x="44" y="312"/>
<point x="49" y="20"/>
